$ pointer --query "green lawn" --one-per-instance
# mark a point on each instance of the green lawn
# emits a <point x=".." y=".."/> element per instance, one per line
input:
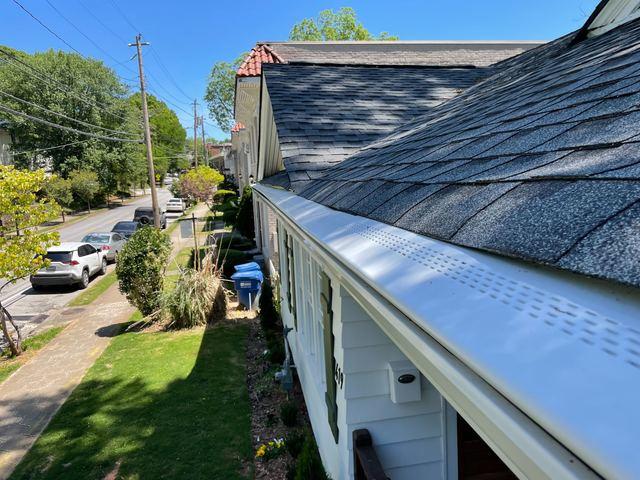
<point x="166" y="405"/>
<point x="8" y="365"/>
<point x="94" y="291"/>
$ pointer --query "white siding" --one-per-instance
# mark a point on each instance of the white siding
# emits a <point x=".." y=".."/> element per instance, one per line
<point x="408" y="437"/>
<point x="313" y="388"/>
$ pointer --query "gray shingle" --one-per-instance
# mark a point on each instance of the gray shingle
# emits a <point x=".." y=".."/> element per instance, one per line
<point x="574" y="117"/>
<point x="597" y="254"/>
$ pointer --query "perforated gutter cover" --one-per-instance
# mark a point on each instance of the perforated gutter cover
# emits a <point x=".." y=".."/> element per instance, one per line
<point x="564" y="349"/>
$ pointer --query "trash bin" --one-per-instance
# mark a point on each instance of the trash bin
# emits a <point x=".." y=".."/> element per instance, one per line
<point x="245" y="267"/>
<point x="248" y="284"/>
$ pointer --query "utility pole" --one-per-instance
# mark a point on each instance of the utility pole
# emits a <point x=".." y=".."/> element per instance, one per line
<point x="147" y="133"/>
<point x="204" y="142"/>
<point x="195" y="133"/>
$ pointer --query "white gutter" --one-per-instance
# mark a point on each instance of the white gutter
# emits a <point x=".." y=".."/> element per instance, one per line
<point x="542" y="363"/>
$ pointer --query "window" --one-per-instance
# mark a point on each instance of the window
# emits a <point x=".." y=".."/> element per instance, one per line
<point x="310" y="315"/>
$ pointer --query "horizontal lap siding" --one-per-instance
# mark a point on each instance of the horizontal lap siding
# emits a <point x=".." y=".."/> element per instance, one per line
<point x="407" y="437"/>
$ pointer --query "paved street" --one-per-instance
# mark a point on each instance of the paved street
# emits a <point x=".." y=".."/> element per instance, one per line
<point x="32" y="308"/>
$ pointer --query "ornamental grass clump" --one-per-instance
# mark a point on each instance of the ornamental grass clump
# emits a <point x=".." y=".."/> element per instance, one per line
<point x="198" y="297"/>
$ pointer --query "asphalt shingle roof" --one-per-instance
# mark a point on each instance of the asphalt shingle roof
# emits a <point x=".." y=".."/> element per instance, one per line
<point x="325" y="113"/>
<point x="539" y="162"/>
<point x="413" y="53"/>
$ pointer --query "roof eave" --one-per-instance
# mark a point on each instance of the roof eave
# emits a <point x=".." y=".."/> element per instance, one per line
<point x="518" y="327"/>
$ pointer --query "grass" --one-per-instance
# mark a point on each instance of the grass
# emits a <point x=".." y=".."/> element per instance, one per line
<point x="92" y="293"/>
<point x="8" y="365"/>
<point x="182" y="258"/>
<point x="175" y="223"/>
<point x="164" y="405"/>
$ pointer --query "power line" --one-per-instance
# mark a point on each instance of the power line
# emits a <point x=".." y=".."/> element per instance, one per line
<point x="81" y="122"/>
<point x="26" y="152"/>
<point x="95" y="44"/>
<point x="126" y="19"/>
<point x="167" y="72"/>
<point x="62" y="127"/>
<point x="45" y="27"/>
<point x="97" y="19"/>
<point x="60" y="86"/>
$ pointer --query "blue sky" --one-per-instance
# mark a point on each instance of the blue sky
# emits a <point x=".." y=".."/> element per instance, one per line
<point x="189" y="37"/>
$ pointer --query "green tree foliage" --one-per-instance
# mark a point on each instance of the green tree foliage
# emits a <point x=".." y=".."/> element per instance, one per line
<point x="61" y="190"/>
<point x="167" y="135"/>
<point x="79" y="78"/>
<point x="140" y="268"/>
<point x="244" y="220"/>
<point x="21" y="254"/>
<point x="199" y="184"/>
<point x="221" y="90"/>
<point x="330" y="25"/>
<point x="85" y="185"/>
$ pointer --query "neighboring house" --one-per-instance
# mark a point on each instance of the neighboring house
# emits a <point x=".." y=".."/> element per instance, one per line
<point x="249" y="90"/>
<point x="219" y="155"/>
<point x="6" y="156"/>
<point x="466" y="287"/>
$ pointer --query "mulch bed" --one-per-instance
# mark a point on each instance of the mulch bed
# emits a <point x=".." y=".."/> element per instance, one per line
<point x="266" y="396"/>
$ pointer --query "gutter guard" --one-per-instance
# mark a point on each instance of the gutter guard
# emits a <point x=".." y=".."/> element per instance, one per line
<point x="511" y="356"/>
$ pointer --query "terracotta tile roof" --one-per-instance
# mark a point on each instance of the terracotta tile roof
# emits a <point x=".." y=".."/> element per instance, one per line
<point x="237" y="127"/>
<point x="252" y="65"/>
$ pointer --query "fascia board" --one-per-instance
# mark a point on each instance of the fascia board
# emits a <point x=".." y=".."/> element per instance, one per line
<point x="582" y="396"/>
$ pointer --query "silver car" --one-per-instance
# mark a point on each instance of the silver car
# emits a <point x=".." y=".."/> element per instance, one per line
<point x="109" y="242"/>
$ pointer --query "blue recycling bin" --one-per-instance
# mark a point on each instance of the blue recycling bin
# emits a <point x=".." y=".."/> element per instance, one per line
<point x="248" y="284"/>
<point x="245" y="267"/>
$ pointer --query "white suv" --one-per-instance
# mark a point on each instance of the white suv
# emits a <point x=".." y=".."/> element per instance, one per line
<point x="70" y="263"/>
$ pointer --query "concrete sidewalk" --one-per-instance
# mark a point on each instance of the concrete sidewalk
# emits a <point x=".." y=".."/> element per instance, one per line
<point x="33" y="394"/>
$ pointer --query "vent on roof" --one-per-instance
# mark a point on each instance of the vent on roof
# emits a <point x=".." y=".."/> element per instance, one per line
<point x="611" y="14"/>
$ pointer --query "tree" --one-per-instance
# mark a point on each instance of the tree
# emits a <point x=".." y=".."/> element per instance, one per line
<point x="22" y="254"/>
<point x="88" y="91"/>
<point x="221" y="91"/>
<point x="167" y="135"/>
<point x="330" y="25"/>
<point x="140" y="268"/>
<point x="62" y="190"/>
<point x="85" y="185"/>
<point x="199" y="184"/>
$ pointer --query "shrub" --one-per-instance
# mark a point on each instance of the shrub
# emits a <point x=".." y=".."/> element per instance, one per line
<point x="197" y="298"/>
<point x="309" y="465"/>
<point x="228" y="185"/>
<point x="294" y="443"/>
<point x="289" y="413"/>
<point x="235" y="242"/>
<point x="269" y="317"/>
<point x="275" y="347"/>
<point x="230" y="258"/>
<point x="224" y="195"/>
<point x="229" y="215"/>
<point x="140" y="268"/>
<point x="244" y="220"/>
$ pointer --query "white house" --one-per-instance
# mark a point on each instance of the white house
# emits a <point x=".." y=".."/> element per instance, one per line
<point x="465" y="286"/>
<point x="6" y="156"/>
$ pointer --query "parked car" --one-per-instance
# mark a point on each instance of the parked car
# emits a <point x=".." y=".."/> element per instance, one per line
<point x="144" y="215"/>
<point x="109" y="242"/>
<point x="175" y="205"/>
<point x="70" y="263"/>
<point x="126" y="228"/>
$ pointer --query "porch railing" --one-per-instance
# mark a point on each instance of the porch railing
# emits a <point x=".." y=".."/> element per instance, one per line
<point x="365" y="461"/>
